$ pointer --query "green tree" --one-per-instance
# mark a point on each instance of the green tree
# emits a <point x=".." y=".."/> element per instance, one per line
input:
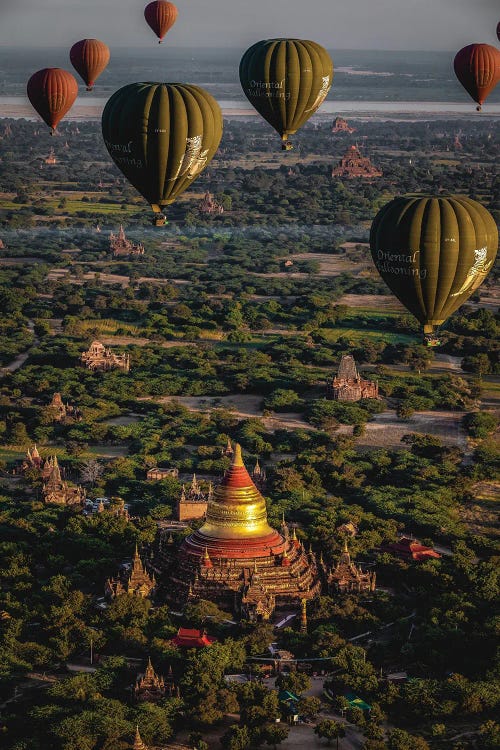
<point x="330" y="730"/>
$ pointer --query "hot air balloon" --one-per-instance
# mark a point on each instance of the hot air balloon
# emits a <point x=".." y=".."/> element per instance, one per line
<point x="433" y="253"/>
<point x="498" y="31"/>
<point x="477" y="67"/>
<point x="161" y="136"/>
<point x="52" y="92"/>
<point x="161" y="16"/>
<point x="286" y="80"/>
<point x="89" y="58"/>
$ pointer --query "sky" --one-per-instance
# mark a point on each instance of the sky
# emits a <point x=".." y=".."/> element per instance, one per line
<point x="341" y="24"/>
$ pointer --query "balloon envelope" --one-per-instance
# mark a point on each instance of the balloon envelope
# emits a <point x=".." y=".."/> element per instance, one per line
<point x="433" y="252"/>
<point x="89" y="58"/>
<point x="52" y="92"/>
<point x="161" y="136"/>
<point x="160" y="16"/>
<point x="498" y="31"/>
<point x="477" y="67"/>
<point x="286" y="80"/>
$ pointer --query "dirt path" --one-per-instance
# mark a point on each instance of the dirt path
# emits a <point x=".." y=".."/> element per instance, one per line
<point x="21" y="358"/>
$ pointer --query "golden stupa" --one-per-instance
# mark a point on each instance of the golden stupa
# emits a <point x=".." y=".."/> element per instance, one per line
<point x="236" y="559"/>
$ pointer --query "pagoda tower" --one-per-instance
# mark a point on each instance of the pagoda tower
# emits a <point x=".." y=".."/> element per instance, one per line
<point x="236" y="559"/>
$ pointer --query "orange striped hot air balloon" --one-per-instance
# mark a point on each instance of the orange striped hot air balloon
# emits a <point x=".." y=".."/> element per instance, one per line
<point x="89" y="58"/>
<point x="161" y="16"/>
<point x="52" y="92"/>
<point x="477" y="67"/>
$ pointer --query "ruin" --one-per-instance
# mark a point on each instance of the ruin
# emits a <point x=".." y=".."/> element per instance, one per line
<point x="342" y="126"/>
<point x="134" y="580"/>
<point x="346" y="577"/>
<point x="57" y="491"/>
<point x="209" y="205"/>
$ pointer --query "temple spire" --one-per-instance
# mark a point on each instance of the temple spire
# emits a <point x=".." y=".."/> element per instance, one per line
<point x="237" y="457"/>
<point x="138" y="743"/>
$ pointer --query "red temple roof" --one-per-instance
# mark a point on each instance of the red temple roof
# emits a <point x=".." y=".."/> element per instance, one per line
<point x="412" y="548"/>
<point x="192" y="638"/>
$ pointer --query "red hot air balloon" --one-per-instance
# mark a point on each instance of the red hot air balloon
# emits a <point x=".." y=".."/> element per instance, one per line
<point x="89" y="58"/>
<point x="477" y="67"/>
<point x="161" y="16"/>
<point x="52" y="92"/>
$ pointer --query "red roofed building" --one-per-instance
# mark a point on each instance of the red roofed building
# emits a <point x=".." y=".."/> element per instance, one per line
<point x="191" y="638"/>
<point x="411" y="549"/>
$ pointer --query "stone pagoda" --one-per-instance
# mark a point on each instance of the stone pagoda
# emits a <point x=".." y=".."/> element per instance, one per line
<point x="57" y="491"/>
<point x="121" y="247"/>
<point x="346" y="577"/>
<point x="100" y="358"/>
<point x="353" y="164"/>
<point x="134" y="580"/>
<point x="149" y="687"/>
<point x="236" y="559"/>
<point x="342" y="126"/>
<point x="51" y="159"/>
<point x="193" y="501"/>
<point x="348" y="385"/>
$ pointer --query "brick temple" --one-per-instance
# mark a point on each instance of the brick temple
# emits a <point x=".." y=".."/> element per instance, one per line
<point x="353" y="164"/>
<point x="236" y="559"/>
<point x="57" y="491"/>
<point x="208" y="205"/>
<point x="137" y="580"/>
<point x="100" y="358"/>
<point x="120" y="246"/>
<point x="348" y="385"/>
<point x="342" y="126"/>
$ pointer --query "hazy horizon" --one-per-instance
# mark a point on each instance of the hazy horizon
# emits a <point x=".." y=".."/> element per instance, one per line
<point x="387" y="25"/>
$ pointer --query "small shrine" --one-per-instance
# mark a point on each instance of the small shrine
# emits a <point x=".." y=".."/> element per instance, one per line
<point x="353" y="164"/>
<point x="348" y="385"/>
<point x="149" y="687"/>
<point x="120" y="246"/>
<point x="209" y="205"/>
<point x="134" y="580"/>
<point x="57" y="491"/>
<point x="61" y="412"/>
<point x="342" y="126"/>
<point x="346" y="577"/>
<point x="193" y="501"/>
<point x="100" y="358"/>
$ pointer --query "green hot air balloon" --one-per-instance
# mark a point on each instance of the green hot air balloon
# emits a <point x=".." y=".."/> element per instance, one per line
<point x="161" y="136"/>
<point x="286" y="80"/>
<point x="433" y="253"/>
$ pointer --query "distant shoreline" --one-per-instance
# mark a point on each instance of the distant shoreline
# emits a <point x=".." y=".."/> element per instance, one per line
<point x="91" y="110"/>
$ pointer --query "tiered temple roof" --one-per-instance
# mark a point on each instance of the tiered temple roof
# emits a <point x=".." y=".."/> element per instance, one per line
<point x="348" y="385"/>
<point x="100" y="357"/>
<point x="121" y="246"/>
<point x="353" y="164"/>
<point x="138" y="581"/>
<point x="236" y="559"/>
<point x="347" y="577"/>
<point x="62" y="412"/>
<point x="57" y="491"/>
<point x="192" y="638"/>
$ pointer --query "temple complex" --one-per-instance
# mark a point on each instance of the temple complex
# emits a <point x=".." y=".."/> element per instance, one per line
<point x="209" y="205"/>
<point x="236" y="559"/>
<point x="348" y="385"/>
<point x="353" y="164"/>
<point x="193" y="501"/>
<point x="100" y="358"/>
<point x="57" y="491"/>
<point x="61" y="412"/>
<point x="149" y="687"/>
<point x="120" y="246"/>
<point x="346" y="577"/>
<point x="134" y="580"/>
<point x="342" y="126"/>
